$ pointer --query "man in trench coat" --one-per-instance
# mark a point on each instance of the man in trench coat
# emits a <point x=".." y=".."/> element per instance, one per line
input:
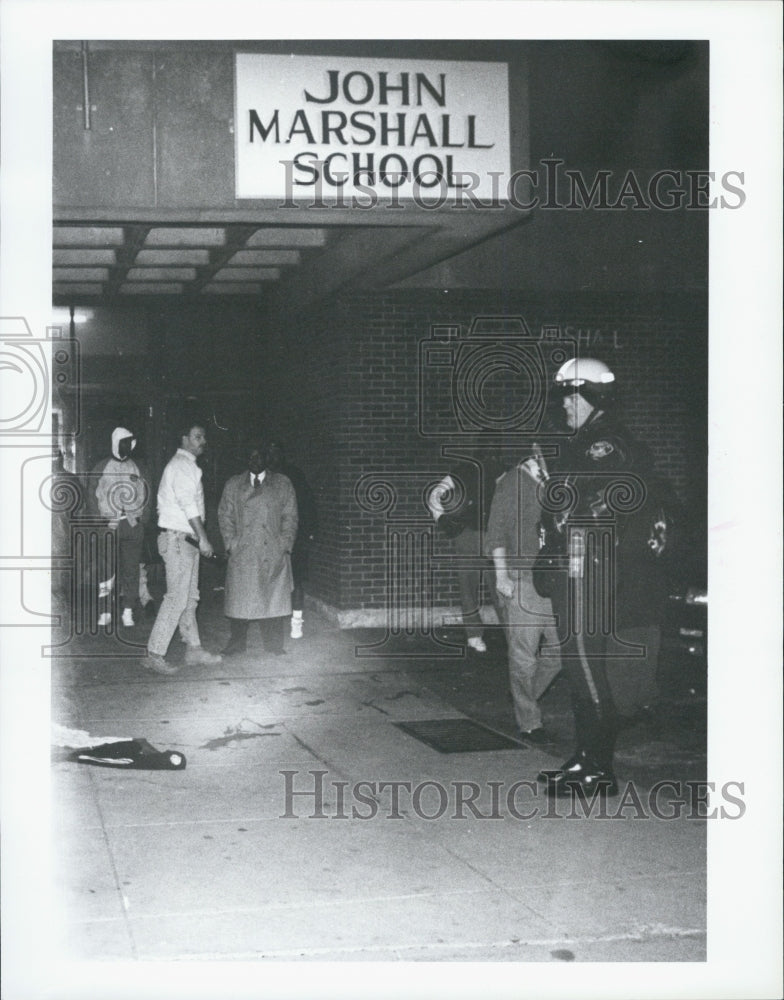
<point x="257" y="516"/>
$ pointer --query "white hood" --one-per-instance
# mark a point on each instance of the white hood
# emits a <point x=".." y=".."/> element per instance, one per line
<point x="117" y="436"/>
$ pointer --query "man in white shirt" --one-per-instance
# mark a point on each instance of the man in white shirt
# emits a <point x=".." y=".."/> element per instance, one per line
<point x="181" y="517"/>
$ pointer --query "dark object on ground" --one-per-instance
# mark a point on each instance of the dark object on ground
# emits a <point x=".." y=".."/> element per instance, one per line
<point x="130" y="754"/>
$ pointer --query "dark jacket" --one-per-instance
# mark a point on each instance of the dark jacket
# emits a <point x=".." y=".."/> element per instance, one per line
<point x="468" y="506"/>
<point x="608" y="477"/>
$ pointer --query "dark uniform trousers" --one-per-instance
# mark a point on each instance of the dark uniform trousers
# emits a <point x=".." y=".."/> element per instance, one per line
<point x="584" y="606"/>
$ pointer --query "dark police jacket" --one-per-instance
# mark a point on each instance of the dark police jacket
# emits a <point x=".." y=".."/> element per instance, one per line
<point x="605" y="476"/>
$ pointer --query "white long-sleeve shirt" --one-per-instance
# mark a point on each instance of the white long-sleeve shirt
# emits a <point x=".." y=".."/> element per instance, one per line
<point x="181" y="494"/>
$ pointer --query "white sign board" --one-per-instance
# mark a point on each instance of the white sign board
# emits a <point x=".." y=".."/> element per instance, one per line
<point x="360" y="131"/>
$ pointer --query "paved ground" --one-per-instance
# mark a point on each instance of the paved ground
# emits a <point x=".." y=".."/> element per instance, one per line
<point x="203" y="863"/>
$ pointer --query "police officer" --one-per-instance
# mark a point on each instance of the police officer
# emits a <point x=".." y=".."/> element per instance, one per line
<point x="601" y="516"/>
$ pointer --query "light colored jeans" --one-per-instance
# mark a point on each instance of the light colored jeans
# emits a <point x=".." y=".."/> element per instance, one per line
<point x="529" y="620"/>
<point x="182" y="593"/>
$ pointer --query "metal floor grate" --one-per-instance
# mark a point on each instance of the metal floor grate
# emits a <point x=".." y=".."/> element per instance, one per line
<point x="457" y="736"/>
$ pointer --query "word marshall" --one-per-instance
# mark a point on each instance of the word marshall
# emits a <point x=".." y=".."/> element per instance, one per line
<point x="310" y="796"/>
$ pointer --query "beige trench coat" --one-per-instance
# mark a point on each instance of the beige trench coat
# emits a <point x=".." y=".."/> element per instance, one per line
<point x="258" y="528"/>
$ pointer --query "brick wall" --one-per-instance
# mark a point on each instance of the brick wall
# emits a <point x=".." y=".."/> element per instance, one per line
<point x="363" y="413"/>
<point x="304" y="375"/>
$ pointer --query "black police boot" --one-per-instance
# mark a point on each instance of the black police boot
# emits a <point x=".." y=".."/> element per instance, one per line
<point x="238" y="640"/>
<point x="579" y="772"/>
<point x="594" y="772"/>
<point x="572" y="768"/>
<point x="585" y="724"/>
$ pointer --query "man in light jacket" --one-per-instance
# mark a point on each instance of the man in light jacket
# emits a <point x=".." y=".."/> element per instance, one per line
<point x="258" y="520"/>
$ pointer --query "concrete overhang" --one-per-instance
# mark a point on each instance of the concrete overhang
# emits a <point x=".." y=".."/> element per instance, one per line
<point x="302" y="254"/>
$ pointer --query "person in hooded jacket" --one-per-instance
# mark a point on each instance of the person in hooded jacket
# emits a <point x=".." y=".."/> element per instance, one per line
<point x="257" y="515"/>
<point x="119" y="493"/>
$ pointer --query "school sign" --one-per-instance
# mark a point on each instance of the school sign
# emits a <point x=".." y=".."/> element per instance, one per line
<point x="349" y="129"/>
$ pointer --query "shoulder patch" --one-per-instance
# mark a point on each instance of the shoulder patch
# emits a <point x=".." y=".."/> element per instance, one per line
<point x="600" y="449"/>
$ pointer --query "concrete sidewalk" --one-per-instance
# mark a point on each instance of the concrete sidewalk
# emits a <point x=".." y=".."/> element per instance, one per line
<point x="222" y="861"/>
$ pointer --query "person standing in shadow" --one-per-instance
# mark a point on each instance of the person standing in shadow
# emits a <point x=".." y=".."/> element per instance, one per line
<point x="306" y="531"/>
<point x="459" y="505"/>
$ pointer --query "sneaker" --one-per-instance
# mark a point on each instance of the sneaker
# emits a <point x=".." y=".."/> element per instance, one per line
<point x="296" y="628"/>
<point x="158" y="664"/>
<point x="199" y="656"/>
<point x="127" y="618"/>
<point x="477" y="643"/>
<point x="104" y="619"/>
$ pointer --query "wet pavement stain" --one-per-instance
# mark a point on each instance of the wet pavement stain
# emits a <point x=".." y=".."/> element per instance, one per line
<point x="318" y="701"/>
<point x="222" y="741"/>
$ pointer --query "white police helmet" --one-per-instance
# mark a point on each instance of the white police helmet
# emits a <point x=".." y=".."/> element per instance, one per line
<point x="578" y="372"/>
